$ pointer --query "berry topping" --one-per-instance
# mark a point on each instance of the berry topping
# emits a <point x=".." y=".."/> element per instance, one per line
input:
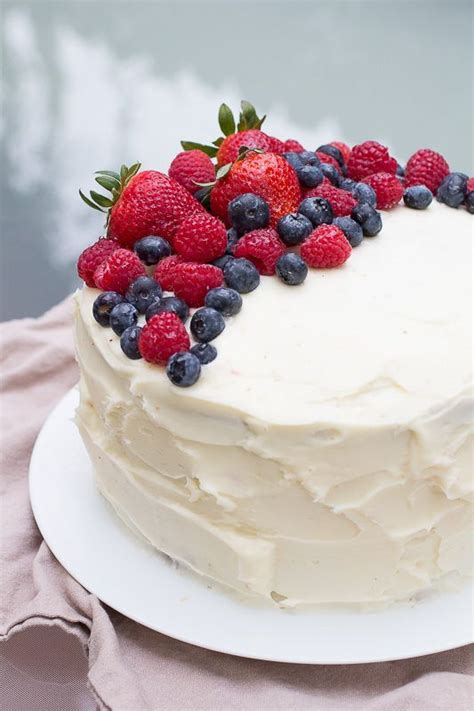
<point x="348" y="184"/>
<point x="222" y="261"/>
<point x="163" y="335"/>
<point x="92" y="257"/>
<point x="168" y="304"/>
<point x="469" y="202"/>
<point x="262" y="247"/>
<point x="351" y="228"/>
<point x="368" y="158"/>
<point x="151" y="249"/>
<point x="232" y="239"/>
<point x="417" y="197"/>
<point x="123" y="316"/>
<point x="265" y="174"/>
<point x="388" y="189"/>
<point x="344" y="149"/>
<point x="205" y="352"/>
<point x="426" y="167"/>
<point x="326" y="247"/>
<point x="452" y="189"/>
<point x="317" y="210"/>
<point x="104" y="304"/>
<point x="400" y="171"/>
<point x="165" y="271"/>
<point x="364" y="193"/>
<point x="248" y="212"/>
<point x="292" y="145"/>
<point x="294" y="228"/>
<point x="143" y="292"/>
<point x="241" y="275"/>
<point x="308" y="158"/>
<point x="201" y="238"/>
<point x="309" y="175"/>
<point x="328" y="160"/>
<point x="331" y="174"/>
<point x="329" y="149"/>
<point x="470" y="185"/>
<point x="291" y="269"/>
<point x="294" y="159"/>
<point x="207" y="324"/>
<point x="183" y="369"/>
<point x="227" y="301"/>
<point x="118" y="270"/>
<point x="342" y="203"/>
<point x="193" y="281"/>
<point x="190" y="168"/>
<point x="368" y="218"/>
<point x="129" y="342"/>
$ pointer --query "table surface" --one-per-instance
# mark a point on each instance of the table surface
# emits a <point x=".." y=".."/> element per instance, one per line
<point x="89" y="86"/>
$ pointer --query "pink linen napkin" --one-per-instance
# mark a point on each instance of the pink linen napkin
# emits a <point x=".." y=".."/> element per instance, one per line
<point x="131" y="668"/>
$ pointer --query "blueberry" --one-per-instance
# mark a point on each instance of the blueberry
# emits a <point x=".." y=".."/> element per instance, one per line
<point x="293" y="159"/>
<point x="352" y="230"/>
<point x="222" y="261"/>
<point x="309" y="175"/>
<point x="347" y="184"/>
<point x="248" y="212"/>
<point x="183" y="369"/>
<point x="123" y="316"/>
<point x="331" y="173"/>
<point x="206" y="352"/>
<point x="170" y="304"/>
<point x="241" y="275"/>
<point x="104" y="304"/>
<point x="333" y="152"/>
<point x="400" y="171"/>
<point x="151" y="249"/>
<point x="227" y="301"/>
<point x="364" y="194"/>
<point x="418" y="197"/>
<point x="368" y="218"/>
<point x="317" y="210"/>
<point x="291" y="269"/>
<point x="308" y="158"/>
<point x="469" y="202"/>
<point x="143" y="292"/>
<point x="294" y="228"/>
<point x="129" y="342"/>
<point x="232" y="239"/>
<point x="452" y="189"/>
<point x="207" y="324"/>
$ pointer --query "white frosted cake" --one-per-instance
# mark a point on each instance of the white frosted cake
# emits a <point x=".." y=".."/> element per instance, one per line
<point x="326" y="455"/>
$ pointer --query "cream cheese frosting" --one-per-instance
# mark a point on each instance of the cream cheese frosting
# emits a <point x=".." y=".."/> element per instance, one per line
<point x="326" y="455"/>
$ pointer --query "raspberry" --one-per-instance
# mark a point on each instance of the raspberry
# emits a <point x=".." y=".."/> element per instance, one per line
<point x="326" y="246"/>
<point x="426" y="167"/>
<point x="292" y="146"/>
<point x="118" y="270"/>
<point x="161" y="337"/>
<point x="191" y="167"/>
<point x="92" y="257"/>
<point x="342" y="202"/>
<point x="368" y="158"/>
<point x="343" y="147"/>
<point x="201" y="238"/>
<point x="324" y="158"/>
<point x="193" y="281"/>
<point x="263" y="248"/>
<point x="165" y="271"/>
<point x="388" y="189"/>
<point x="276" y="146"/>
<point x="470" y="185"/>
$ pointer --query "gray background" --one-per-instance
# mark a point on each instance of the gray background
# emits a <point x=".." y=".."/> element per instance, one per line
<point x="89" y="85"/>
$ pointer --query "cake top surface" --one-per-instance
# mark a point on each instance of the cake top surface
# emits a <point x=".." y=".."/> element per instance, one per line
<point x="382" y="339"/>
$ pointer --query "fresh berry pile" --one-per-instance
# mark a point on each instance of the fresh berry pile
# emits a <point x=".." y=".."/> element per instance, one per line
<point x="244" y="206"/>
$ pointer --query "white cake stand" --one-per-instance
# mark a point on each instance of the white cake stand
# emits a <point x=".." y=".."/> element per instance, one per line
<point x="93" y="545"/>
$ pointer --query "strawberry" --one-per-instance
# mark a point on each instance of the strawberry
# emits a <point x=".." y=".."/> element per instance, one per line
<point x="147" y="203"/>
<point x="265" y="174"/>
<point x="254" y="138"/>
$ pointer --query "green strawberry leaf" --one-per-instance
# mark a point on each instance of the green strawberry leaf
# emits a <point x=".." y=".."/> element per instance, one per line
<point x="101" y="199"/>
<point x="123" y="172"/>
<point x="133" y="170"/>
<point x="226" y="120"/>
<point x="90" y="203"/>
<point x="260" y="121"/>
<point x="110" y="173"/>
<point x="211" y="151"/>
<point x="205" y="185"/>
<point x="218" y="141"/>
<point x="107" y="183"/>
<point x="223" y="170"/>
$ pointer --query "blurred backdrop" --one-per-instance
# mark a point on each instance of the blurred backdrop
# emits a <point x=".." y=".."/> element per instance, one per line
<point x="91" y="85"/>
